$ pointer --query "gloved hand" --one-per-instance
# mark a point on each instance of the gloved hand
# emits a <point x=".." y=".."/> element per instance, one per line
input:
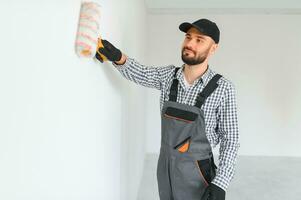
<point x="214" y="192"/>
<point x="109" y="51"/>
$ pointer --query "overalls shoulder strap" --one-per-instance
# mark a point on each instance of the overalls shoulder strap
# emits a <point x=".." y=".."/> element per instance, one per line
<point x="207" y="91"/>
<point x="174" y="87"/>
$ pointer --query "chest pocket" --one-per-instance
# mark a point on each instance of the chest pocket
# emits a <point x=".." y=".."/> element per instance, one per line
<point x="181" y="115"/>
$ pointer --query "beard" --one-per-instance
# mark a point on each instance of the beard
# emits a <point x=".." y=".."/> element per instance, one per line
<point x="197" y="59"/>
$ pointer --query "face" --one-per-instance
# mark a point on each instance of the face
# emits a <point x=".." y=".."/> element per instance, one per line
<point x="197" y="47"/>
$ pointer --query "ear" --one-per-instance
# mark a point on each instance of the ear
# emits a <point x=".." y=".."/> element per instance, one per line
<point x="213" y="48"/>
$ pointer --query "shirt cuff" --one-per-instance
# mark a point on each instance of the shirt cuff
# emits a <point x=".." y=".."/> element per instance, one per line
<point x="125" y="65"/>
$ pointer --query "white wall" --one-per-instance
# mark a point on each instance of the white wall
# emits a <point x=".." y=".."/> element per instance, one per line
<point x="67" y="124"/>
<point x="261" y="55"/>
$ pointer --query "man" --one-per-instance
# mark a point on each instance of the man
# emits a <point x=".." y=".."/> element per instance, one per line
<point x="198" y="111"/>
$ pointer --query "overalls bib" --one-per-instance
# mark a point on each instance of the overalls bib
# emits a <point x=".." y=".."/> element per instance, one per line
<point x="185" y="165"/>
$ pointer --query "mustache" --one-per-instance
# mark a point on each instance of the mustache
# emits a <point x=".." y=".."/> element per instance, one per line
<point x="185" y="48"/>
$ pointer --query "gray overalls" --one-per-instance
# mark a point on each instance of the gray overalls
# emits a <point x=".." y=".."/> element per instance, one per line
<point x="185" y="166"/>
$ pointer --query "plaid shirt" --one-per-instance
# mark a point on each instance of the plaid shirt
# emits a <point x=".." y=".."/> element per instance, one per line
<point x="219" y="109"/>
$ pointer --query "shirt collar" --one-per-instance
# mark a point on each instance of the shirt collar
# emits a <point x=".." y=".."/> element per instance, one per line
<point x="203" y="79"/>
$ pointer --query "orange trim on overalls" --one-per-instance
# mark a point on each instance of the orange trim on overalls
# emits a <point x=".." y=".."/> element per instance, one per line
<point x="172" y="117"/>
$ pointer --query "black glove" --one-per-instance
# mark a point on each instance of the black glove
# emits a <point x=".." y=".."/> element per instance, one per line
<point x="214" y="192"/>
<point x="109" y="51"/>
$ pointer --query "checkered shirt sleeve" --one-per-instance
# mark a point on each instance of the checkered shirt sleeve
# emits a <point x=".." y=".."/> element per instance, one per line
<point x="148" y="76"/>
<point x="227" y="128"/>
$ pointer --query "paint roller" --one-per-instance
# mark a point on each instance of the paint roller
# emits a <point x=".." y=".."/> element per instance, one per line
<point x="88" y="39"/>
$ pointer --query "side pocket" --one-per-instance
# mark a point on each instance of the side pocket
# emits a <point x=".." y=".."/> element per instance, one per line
<point x="201" y="173"/>
<point x="205" y="169"/>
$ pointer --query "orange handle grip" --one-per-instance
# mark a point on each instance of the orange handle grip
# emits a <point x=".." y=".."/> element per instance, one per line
<point x="99" y="44"/>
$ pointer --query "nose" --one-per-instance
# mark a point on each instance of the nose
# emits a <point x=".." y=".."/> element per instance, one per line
<point x="189" y="44"/>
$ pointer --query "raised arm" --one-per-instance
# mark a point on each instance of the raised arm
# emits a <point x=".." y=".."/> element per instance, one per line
<point x="148" y="76"/>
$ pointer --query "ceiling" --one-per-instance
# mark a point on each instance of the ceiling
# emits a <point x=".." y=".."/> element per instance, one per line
<point x="291" y="6"/>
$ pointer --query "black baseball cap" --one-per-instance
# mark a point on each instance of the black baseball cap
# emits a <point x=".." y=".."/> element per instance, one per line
<point x="205" y="26"/>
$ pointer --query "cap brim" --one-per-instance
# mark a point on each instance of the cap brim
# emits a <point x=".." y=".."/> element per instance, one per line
<point x="185" y="26"/>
